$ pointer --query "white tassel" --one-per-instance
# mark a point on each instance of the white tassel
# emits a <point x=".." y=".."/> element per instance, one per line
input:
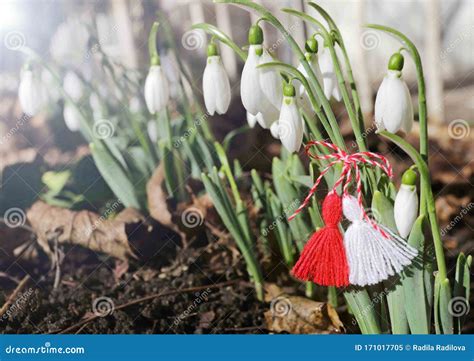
<point x="372" y="257"/>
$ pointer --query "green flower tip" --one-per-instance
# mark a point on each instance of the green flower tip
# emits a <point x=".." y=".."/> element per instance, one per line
<point x="212" y="50"/>
<point x="155" y="60"/>
<point x="311" y="45"/>
<point x="255" y="35"/>
<point x="396" y="62"/>
<point x="289" y="90"/>
<point x="409" y="177"/>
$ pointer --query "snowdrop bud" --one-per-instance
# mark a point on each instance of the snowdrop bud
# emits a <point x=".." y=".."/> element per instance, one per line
<point x="156" y="90"/>
<point x="290" y="124"/>
<point x="72" y="118"/>
<point x="330" y="85"/>
<point x="406" y="204"/>
<point x="73" y="86"/>
<point x="215" y="83"/>
<point x="393" y="106"/>
<point x="31" y="93"/>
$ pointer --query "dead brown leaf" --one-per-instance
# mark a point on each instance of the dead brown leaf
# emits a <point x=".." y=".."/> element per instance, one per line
<point x="84" y="228"/>
<point x="299" y="315"/>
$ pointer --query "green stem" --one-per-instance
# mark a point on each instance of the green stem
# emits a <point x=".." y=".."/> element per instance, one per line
<point x="340" y="78"/>
<point x="425" y="183"/>
<point x="269" y="17"/>
<point x="422" y="110"/>
<point x="154" y="57"/>
<point x="340" y="41"/>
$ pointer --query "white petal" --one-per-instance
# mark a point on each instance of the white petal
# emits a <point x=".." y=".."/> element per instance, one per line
<point x="405" y="209"/>
<point x="73" y="86"/>
<point x="222" y="84"/>
<point x="270" y="81"/>
<point x="152" y="130"/>
<point x="392" y="107"/>
<point x="275" y="130"/>
<point x="208" y="87"/>
<point x="268" y="115"/>
<point x="380" y="101"/>
<point x="156" y="90"/>
<point x="31" y="93"/>
<point x="250" y="91"/>
<point x="290" y="125"/>
<point x="407" y="122"/>
<point x="71" y="118"/>
<point x="252" y="119"/>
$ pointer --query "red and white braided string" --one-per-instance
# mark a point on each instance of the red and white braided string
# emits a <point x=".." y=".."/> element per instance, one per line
<point x="349" y="161"/>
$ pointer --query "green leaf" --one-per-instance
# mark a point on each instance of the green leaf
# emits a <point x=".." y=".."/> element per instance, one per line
<point x="445" y="309"/>
<point x="382" y="209"/>
<point x="416" y="306"/>
<point x="461" y="287"/>
<point x="115" y="176"/>
<point x="363" y="309"/>
<point x="222" y="37"/>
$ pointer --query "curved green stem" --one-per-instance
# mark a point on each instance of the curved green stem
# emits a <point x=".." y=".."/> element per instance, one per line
<point x="269" y="17"/>
<point x="340" y="78"/>
<point x="421" y="84"/>
<point x="154" y="57"/>
<point x="430" y="202"/>
<point x="222" y="37"/>
<point x="283" y="67"/>
<point x="422" y="111"/>
<point x="340" y="41"/>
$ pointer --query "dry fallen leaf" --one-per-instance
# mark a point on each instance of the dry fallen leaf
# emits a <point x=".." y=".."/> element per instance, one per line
<point x="185" y="218"/>
<point x="299" y="315"/>
<point x="83" y="228"/>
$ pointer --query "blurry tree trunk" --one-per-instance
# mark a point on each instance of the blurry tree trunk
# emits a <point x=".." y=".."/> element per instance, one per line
<point x="123" y="24"/>
<point x="361" y="72"/>
<point x="223" y="22"/>
<point x="196" y="13"/>
<point x="434" y="93"/>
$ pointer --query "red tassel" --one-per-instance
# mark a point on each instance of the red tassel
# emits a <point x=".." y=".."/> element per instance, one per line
<point x="323" y="259"/>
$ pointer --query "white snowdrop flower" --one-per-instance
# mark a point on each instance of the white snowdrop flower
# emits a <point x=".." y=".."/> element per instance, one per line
<point x="393" y="106"/>
<point x="406" y="204"/>
<point x="72" y="118"/>
<point x="31" y="92"/>
<point x="270" y="81"/>
<point x="330" y="85"/>
<point x="254" y="99"/>
<point x="215" y="83"/>
<point x="73" y="86"/>
<point x="289" y="128"/>
<point x="156" y="90"/>
<point x="152" y="131"/>
<point x="95" y="104"/>
<point x="69" y="43"/>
